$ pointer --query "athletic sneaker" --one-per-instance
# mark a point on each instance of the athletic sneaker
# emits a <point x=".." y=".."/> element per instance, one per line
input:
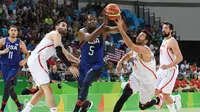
<point x="20" y="108"/>
<point x="161" y="102"/>
<point x="86" y="106"/>
<point x="178" y="102"/>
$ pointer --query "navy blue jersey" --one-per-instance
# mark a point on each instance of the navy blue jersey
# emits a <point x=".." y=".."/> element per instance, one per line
<point x="92" y="52"/>
<point x="13" y="57"/>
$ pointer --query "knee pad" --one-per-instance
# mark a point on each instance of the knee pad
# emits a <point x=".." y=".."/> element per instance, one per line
<point x="142" y="107"/>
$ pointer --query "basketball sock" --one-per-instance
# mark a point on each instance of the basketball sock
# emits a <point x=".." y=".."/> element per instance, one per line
<point x="126" y="94"/>
<point x="28" y="107"/>
<point x="174" y="98"/>
<point x="14" y="97"/>
<point x="54" y="109"/>
<point x="171" y="107"/>
<point x="5" y="95"/>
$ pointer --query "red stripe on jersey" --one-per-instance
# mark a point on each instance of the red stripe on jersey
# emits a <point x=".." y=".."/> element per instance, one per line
<point x="169" y="55"/>
<point x="45" y="47"/>
<point x="169" y="80"/>
<point x="148" y="69"/>
<point x="41" y="64"/>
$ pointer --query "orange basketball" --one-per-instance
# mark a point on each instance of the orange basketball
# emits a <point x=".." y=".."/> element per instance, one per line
<point x="112" y="11"/>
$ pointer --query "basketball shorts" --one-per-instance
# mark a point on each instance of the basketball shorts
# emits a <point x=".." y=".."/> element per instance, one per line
<point x="146" y="91"/>
<point x="39" y="70"/>
<point x="166" y="80"/>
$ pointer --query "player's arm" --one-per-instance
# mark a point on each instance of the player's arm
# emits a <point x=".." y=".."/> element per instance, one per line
<point x="92" y="36"/>
<point x="25" y="51"/>
<point x="2" y="41"/>
<point x="114" y="29"/>
<point x="62" y="53"/>
<point x="176" y="50"/>
<point x="125" y="58"/>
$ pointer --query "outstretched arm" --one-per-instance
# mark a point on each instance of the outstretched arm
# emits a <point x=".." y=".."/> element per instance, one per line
<point x="125" y="58"/>
<point x="128" y="42"/>
<point x="84" y="35"/>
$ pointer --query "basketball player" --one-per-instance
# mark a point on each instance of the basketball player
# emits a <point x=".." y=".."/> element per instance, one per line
<point x="11" y="62"/>
<point x="50" y="44"/>
<point x="143" y="77"/>
<point x="92" y="40"/>
<point x="170" y="56"/>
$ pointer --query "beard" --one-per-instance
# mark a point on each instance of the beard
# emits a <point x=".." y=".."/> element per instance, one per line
<point x="62" y="32"/>
<point x="164" y="34"/>
<point x="139" y="42"/>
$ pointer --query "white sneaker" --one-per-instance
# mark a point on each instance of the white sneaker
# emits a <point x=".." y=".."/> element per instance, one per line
<point x="161" y="97"/>
<point x="178" y="102"/>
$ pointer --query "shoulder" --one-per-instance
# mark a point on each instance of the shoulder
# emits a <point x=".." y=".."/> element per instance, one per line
<point x="172" y="42"/>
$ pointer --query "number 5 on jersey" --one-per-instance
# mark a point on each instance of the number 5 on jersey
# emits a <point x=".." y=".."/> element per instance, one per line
<point x="91" y="50"/>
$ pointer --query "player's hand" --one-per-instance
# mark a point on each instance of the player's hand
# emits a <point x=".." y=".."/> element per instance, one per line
<point x="164" y="67"/>
<point x="5" y="50"/>
<point x="105" y="22"/>
<point x="74" y="71"/>
<point x="119" y="23"/>
<point x="22" y="63"/>
<point x="119" y="66"/>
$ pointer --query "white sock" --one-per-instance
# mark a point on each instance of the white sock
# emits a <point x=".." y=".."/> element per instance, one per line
<point x="28" y="107"/>
<point x="174" y="98"/>
<point x="171" y="107"/>
<point x="54" y="109"/>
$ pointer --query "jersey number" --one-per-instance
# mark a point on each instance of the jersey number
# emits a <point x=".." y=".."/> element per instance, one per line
<point x="10" y="55"/>
<point x="91" y="50"/>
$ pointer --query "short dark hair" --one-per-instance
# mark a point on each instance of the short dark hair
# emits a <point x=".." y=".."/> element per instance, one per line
<point x="59" y="21"/>
<point x="171" y="26"/>
<point x="12" y="26"/>
<point x="148" y="36"/>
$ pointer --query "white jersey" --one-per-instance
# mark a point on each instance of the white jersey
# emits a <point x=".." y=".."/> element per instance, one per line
<point x="166" y="57"/>
<point x="145" y="72"/>
<point x="45" y="48"/>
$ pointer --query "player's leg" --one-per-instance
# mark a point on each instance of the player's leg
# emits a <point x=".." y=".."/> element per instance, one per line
<point x="35" y="98"/>
<point x="80" y="82"/>
<point x="49" y="97"/>
<point x="127" y="92"/>
<point x="7" y="87"/>
<point x="167" y="86"/>
<point x="91" y="76"/>
<point x="13" y="95"/>
<point x="177" y="101"/>
<point x="146" y="94"/>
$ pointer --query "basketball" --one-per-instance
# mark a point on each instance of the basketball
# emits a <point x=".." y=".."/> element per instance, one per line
<point x="112" y="11"/>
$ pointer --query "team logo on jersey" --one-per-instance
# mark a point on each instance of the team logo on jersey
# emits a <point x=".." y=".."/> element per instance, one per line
<point x="11" y="47"/>
<point x="95" y="41"/>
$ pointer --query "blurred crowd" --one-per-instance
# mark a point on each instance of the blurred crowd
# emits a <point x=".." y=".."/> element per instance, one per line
<point x="35" y="19"/>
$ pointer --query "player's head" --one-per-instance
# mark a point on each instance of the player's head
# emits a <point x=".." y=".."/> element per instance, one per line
<point x="13" y="31"/>
<point x="61" y="26"/>
<point x="144" y="38"/>
<point x="91" y="21"/>
<point x="167" y="29"/>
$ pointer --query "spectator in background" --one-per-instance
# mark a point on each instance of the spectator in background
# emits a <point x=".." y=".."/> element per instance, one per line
<point x="31" y="46"/>
<point x="32" y="88"/>
<point x="185" y="66"/>
<point x="54" y="75"/>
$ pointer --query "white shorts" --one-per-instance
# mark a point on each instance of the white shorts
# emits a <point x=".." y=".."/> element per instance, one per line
<point x="38" y="69"/>
<point x="166" y="80"/>
<point x="146" y="91"/>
